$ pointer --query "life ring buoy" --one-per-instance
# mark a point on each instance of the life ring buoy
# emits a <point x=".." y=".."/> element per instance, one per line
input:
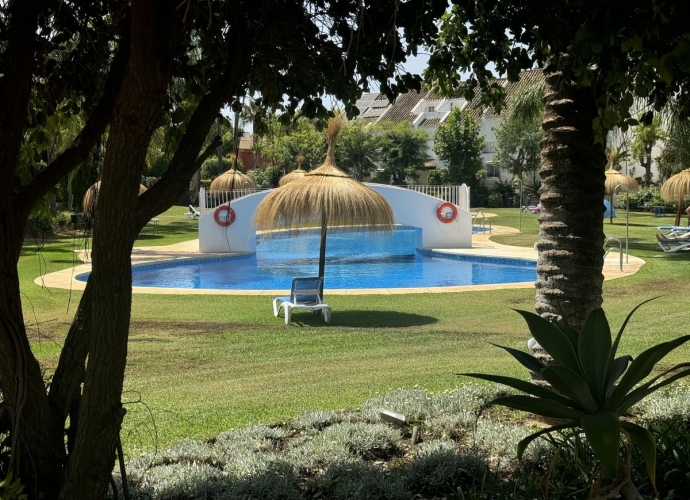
<point x="444" y="215"/>
<point x="227" y="220"/>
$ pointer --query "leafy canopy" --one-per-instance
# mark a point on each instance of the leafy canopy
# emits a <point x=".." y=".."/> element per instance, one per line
<point x="621" y="49"/>
<point x="457" y="142"/>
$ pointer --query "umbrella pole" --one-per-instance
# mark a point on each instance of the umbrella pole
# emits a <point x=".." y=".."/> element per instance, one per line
<point x="322" y="248"/>
<point x="680" y="207"/>
<point x="611" y="209"/>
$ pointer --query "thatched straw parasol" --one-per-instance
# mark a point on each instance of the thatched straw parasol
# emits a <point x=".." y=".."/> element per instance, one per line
<point x="325" y="196"/>
<point x="91" y="198"/>
<point x="230" y="180"/>
<point x="614" y="178"/>
<point x="298" y="173"/>
<point x="675" y="188"/>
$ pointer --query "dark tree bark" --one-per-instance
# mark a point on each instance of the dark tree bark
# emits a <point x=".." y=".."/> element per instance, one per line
<point x="571" y="235"/>
<point x="36" y="449"/>
<point x="156" y="27"/>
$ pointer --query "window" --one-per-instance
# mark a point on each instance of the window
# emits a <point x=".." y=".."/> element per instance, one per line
<point x="491" y="169"/>
<point x="430" y="109"/>
<point x="490" y="147"/>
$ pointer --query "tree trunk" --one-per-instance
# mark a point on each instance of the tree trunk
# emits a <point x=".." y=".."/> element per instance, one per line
<point x="135" y="117"/>
<point x="37" y="452"/>
<point x="571" y="236"/>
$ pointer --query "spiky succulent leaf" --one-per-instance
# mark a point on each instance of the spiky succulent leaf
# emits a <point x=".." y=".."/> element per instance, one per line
<point x="524" y="386"/>
<point x="614" y="346"/>
<point x="524" y="443"/>
<point x="619" y="367"/>
<point x="572" y="386"/>
<point x="525" y="359"/>
<point x="552" y="340"/>
<point x="646" y="389"/>
<point x="639" y="369"/>
<point x="647" y="444"/>
<point x="603" y="435"/>
<point x="539" y="406"/>
<point x="593" y="350"/>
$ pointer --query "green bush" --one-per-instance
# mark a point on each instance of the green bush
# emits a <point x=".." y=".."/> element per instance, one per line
<point x="495" y="200"/>
<point x="438" y="176"/>
<point x="265" y="177"/>
<point x="644" y="198"/>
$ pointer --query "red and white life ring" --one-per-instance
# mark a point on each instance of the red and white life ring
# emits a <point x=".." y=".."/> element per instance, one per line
<point x="444" y="214"/>
<point x="228" y="219"/>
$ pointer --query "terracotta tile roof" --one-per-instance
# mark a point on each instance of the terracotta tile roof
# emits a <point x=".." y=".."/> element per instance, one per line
<point x="402" y="107"/>
<point x="528" y="77"/>
<point x="373" y="113"/>
<point x="400" y="111"/>
<point x="430" y="122"/>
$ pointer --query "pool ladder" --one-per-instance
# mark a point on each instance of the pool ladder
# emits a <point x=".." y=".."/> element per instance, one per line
<point x="611" y="239"/>
<point x="481" y="226"/>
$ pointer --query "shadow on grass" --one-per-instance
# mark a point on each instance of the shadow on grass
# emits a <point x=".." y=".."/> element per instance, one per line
<point x="367" y="319"/>
<point x="149" y="236"/>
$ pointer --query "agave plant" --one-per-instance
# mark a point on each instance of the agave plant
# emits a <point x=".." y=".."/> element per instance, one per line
<point x="593" y="387"/>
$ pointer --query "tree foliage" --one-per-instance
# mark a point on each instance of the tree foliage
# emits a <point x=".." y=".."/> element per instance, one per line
<point x="402" y="151"/>
<point x="357" y="149"/>
<point x="645" y="138"/>
<point x="457" y="142"/>
<point x="618" y="49"/>
<point x="518" y="148"/>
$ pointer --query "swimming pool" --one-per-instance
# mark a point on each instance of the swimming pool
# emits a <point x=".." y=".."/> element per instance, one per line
<point x="354" y="259"/>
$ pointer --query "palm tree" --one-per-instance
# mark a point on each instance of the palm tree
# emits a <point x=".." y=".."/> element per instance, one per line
<point x="571" y="234"/>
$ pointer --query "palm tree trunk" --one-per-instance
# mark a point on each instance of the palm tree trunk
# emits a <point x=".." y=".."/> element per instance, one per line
<point x="571" y="236"/>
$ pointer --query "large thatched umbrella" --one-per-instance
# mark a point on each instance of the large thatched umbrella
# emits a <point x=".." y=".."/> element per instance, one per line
<point x="91" y="198"/>
<point x="326" y="196"/>
<point x="230" y="180"/>
<point x="675" y="188"/>
<point x="298" y="173"/>
<point x="613" y="179"/>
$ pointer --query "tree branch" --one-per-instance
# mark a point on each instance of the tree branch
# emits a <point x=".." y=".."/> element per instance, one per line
<point x="81" y="146"/>
<point x="15" y="86"/>
<point x="187" y="160"/>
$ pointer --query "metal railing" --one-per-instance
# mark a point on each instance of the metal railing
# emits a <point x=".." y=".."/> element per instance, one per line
<point x="209" y="200"/>
<point x="611" y="239"/>
<point x="457" y="195"/>
<point x="479" y="221"/>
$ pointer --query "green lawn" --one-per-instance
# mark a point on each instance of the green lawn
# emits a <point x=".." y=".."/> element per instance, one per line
<point x="201" y="364"/>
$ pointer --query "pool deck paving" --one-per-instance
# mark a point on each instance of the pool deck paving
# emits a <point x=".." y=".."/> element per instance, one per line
<point x="481" y="246"/>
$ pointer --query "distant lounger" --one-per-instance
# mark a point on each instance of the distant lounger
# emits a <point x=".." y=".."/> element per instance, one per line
<point x="192" y="214"/>
<point x="673" y="238"/>
<point x="305" y="295"/>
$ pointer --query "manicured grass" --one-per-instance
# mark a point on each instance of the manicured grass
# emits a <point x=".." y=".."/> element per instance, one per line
<point x="203" y="364"/>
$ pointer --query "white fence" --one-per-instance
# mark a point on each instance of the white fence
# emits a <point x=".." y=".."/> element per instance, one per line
<point x="457" y="195"/>
<point x="208" y="200"/>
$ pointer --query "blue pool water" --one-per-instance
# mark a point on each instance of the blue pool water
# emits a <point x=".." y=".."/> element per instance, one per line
<point x="353" y="260"/>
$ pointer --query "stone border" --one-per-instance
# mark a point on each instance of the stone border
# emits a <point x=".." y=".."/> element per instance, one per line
<point x="481" y="247"/>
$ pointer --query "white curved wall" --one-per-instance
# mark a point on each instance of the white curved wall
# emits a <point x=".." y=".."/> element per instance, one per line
<point x="410" y="207"/>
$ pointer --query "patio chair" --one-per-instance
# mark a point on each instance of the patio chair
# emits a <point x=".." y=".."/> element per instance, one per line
<point x="305" y="295"/>
<point x="192" y="214"/>
<point x="673" y="238"/>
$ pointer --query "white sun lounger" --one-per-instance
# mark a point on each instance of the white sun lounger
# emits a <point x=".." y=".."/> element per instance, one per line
<point x="193" y="213"/>
<point x="305" y="295"/>
<point x="673" y="238"/>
